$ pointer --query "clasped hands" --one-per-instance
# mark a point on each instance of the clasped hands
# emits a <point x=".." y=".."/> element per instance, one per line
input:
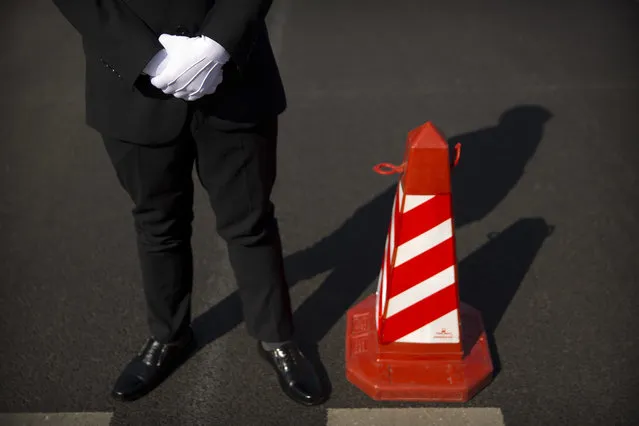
<point x="188" y="67"/>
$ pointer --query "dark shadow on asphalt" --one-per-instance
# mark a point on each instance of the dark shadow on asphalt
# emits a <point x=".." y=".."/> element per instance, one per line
<point x="492" y="162"/>
<point x="490" y="276"/>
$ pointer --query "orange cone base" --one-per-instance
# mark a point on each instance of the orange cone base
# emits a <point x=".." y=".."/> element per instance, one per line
<point x="388" y="372"/>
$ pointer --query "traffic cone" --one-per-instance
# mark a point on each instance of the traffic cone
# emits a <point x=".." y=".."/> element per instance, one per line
<point x="413" y="340"/>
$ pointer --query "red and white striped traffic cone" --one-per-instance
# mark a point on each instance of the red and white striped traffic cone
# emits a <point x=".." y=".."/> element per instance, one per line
<point x="413" y="339"/>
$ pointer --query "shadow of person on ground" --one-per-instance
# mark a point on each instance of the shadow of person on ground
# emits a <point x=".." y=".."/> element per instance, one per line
<point x="492" y="162"/>
<point x="491" y="275"/>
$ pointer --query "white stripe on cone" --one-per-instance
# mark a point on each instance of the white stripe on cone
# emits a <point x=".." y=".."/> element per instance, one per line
<point x="445" y="329"/>
<point x="381" y="287"/>
<point x="389" y="248"/>
<point x="402" y="199"/>
<point x="421" y="291"/>
<point x="379" y="295"/>
<point x="424" y="242"/>
<point x="413" y="201"/>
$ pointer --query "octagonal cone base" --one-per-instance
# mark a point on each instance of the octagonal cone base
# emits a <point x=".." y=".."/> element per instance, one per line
<point x="416" y="372"/>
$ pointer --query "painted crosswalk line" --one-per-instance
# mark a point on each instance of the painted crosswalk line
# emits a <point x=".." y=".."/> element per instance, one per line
<point x="55" y="419"/>
<point x="415" y="417"/>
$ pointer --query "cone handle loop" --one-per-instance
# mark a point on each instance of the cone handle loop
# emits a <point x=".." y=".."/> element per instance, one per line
<point x="457" y="154"/>
<point x="388" y="168"/>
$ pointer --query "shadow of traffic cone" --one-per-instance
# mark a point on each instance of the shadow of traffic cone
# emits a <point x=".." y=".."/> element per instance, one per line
<point x="413" y="340"/>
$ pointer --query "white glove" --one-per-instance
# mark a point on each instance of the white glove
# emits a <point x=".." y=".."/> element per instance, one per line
<point x="156" y="64"/>
<point x="192" y="67"/>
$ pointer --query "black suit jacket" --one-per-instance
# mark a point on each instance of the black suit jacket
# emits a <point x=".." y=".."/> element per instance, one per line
<point x="121" y="36"/>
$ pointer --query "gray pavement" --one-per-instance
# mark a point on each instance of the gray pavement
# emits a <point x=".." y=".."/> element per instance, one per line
<point x="542" y="95"/>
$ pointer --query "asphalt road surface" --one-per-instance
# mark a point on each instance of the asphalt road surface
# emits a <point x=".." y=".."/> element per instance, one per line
<point x="543" y="96"/>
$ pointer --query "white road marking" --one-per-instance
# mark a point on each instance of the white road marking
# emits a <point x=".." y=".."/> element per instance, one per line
<point x="55" y="419"/>
<point x="415" y="417"/>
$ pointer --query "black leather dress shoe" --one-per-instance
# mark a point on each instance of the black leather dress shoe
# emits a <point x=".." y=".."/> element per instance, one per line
<point x="151" y="366"/>
<point x="297" y="377"/>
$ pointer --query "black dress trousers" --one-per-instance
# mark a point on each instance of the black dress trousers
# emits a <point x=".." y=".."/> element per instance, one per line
<point x="236" y="164"/>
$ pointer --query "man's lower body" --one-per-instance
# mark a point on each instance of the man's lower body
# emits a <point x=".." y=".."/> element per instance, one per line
<point x="236" y="165"/>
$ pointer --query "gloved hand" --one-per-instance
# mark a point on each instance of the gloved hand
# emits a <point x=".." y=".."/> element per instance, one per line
<point x="156" y="64"/>
<point x="192" y="67"/>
